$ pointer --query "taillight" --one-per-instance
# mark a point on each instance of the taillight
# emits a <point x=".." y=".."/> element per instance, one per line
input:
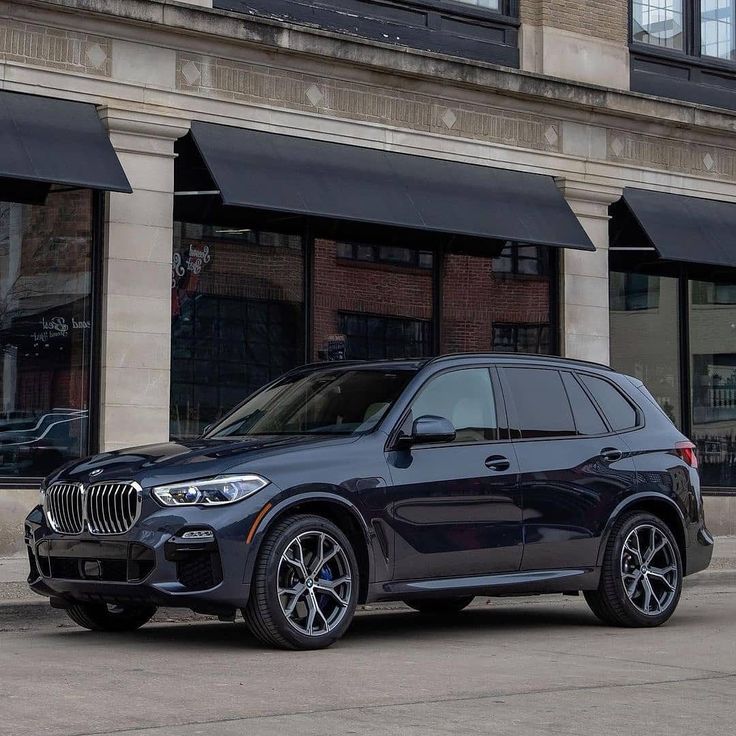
<point x="686" y="451"/>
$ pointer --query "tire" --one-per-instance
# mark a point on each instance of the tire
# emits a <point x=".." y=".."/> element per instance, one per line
<point x="103" y="617"/>
<point x="440" y="606"/>
<point x="636" y="590"/>
<point x="310" y="615"/>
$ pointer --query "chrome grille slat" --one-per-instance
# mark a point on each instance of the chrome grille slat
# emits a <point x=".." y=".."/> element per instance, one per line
<point x="64" y="507"/>
<point x="112" y="508"/>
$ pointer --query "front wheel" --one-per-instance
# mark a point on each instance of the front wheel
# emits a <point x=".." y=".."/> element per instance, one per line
<point x="641" y="577"/>
<point x="305" y="585"/>
<point x="109" y="617"/>
<point x="440" y="606"/>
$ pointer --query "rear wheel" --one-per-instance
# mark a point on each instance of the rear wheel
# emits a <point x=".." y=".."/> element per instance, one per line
<point x="440" y="606"/>
<point x="305" y="585"/>
<point x="641" y="577"/>
<point x="109" y="617"/>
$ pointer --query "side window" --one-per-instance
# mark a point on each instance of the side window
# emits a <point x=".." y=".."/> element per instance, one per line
<point x="587" y="418"/>
<point x="541" y="403"/>
<point x="620" y="413"/>
<point x="465" y="398"/>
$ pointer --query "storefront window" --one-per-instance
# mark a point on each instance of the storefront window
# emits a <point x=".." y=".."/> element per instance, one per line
<point x="501" y="303"/>
<point x="45" y="332"/>
<point x="237" y="318"/>
<point x="371" y="301"/>
<point x="713" y="375"/>
<point x="645" y="336"/>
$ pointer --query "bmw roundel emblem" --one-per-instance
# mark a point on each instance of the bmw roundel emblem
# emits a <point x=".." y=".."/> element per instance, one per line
<point x="95" y="473"/>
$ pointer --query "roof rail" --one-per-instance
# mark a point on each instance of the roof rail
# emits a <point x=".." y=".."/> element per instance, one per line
<point x="532" y="357"/>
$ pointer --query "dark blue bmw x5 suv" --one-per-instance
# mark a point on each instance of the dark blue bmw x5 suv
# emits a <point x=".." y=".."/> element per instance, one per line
<point x="428" y="481"/>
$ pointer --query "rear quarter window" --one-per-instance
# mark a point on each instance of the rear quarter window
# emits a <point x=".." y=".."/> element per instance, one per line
<point x="619" y="411"/>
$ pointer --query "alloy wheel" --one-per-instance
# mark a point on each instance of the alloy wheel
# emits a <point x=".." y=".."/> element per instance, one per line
<point x="314" y="583"/>
<point x="649" y="570"/>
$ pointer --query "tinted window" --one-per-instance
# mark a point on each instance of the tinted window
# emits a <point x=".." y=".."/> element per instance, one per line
<point x="587" y="418"/>
<point x="541" y="403"/>
<point x="463" y="397"/>
<point x="621" y="415"/>
<point x="344" y="402"/>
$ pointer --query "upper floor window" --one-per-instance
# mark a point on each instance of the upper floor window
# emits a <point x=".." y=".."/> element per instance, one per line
<point x="717" y="28"/>
<point x="659" y="23"/>
<point x="491" y="4"/>
<point x="696" y="27"/>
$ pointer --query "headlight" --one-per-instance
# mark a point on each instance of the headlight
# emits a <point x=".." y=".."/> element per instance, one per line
<point x="210" y="492"/>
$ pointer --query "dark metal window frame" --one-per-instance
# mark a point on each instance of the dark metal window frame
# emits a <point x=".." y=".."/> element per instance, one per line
<point x="94" y="365"/>
<point x="682" y="74"/>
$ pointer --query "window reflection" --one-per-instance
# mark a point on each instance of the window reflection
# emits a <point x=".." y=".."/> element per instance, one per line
<point x="371" y="301"/>
<point x="237" y="318"/>
<point x="717" y="28"/>
<point x="497" y="303"/>
<point x="645" y="336"/>
<point x="658" y="23"/>
<point x="45" y="332"/>
<point x="713" y="371"/>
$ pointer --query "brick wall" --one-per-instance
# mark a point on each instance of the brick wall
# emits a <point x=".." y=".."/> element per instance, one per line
<point x="606" y="19"/>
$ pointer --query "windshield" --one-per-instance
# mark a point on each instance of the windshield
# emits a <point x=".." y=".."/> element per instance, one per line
<point x="340" y="402"/>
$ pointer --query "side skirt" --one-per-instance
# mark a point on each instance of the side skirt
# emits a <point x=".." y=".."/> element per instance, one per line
<point x="526" y="582"/>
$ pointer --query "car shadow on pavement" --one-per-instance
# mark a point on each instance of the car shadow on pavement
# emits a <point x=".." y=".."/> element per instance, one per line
<point x="368" y="626"/>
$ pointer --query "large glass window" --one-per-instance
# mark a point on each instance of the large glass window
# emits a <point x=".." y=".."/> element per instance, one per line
<point x="45" y="332"/>
<point x="372" y="301"/>
<point x="658" y="23"/>
<point x="491" y="4"/>
<point x="501" y="303"/>
<point x="717" y="28"/>
<point x="645" y="334"/>
<point x="713" y="376"/>
<point x="237" y="318"/>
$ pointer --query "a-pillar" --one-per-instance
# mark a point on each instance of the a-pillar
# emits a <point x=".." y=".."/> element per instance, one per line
<point x="136" y="300"/>
<point x="584" y="275"/>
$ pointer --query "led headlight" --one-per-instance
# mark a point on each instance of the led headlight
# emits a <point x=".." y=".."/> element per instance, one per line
<point x="210" y="492"/>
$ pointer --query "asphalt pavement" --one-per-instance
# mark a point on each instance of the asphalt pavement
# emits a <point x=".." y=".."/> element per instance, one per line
<point x="532" y="666"/>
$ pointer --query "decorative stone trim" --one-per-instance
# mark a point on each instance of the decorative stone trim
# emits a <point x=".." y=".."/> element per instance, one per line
<point x="265" y="85"/>
<point x="70" y="51"/>
<point x="671" y="155"/>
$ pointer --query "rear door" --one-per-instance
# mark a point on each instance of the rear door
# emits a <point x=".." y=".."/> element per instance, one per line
<point x="573" y="468"/>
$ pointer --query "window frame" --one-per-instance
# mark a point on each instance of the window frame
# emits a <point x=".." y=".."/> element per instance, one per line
<point x="691" y="52"/>
<point x="640" y="415"/>
<point x="501" y="406"/>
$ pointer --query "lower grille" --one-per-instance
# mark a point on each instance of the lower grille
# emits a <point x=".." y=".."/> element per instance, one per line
<point x="112" y="508"/>
<point x="64" y="507"/>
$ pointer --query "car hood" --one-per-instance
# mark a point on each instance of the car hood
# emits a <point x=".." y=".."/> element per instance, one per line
<point x="185" y="459"/>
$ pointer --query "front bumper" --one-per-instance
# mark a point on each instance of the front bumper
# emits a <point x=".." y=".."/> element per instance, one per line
<point x="151" y="563"/>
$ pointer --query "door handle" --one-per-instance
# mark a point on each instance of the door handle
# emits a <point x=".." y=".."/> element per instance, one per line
<point x="611" y="454"/>
<point x="498" y="463"/>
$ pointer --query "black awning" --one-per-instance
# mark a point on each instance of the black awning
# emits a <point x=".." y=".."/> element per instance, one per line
<point x="284" y="174"/>
<point x="45" y="141"/>
<point x="679" y="228"/>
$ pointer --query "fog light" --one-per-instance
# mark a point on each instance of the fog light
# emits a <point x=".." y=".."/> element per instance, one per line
<point x="198" y="534"/>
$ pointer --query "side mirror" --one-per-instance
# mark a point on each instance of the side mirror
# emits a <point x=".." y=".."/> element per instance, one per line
<point x="428" y="430"/>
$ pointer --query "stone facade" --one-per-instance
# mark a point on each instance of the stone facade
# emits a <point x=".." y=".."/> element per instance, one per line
<point x="153" y="66"/>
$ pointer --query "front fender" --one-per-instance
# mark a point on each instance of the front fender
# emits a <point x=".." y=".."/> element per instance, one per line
<point x="280" y="507"/>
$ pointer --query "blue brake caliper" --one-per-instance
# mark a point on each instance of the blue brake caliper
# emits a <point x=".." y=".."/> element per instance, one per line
<point x="325" y="574"/>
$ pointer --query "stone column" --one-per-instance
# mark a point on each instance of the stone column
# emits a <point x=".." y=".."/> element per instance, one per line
<point x="136" y="310"/>
<point x="584" y="275"/>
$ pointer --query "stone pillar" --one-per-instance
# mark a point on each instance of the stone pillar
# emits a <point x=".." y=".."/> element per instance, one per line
<point x="584" y="275"/>
<point x="581" y="40"/>
<point x="136" y="310"/>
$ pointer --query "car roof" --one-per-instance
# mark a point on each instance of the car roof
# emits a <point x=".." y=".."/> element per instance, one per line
<point x="416" y="364"/>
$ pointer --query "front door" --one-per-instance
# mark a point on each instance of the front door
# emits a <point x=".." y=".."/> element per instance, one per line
<point x="455" y="506"/>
